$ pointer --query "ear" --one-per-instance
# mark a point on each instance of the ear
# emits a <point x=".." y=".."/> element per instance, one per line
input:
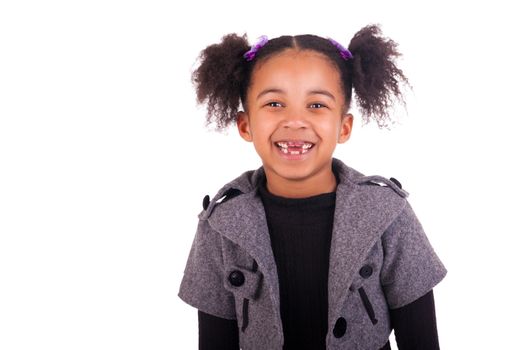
<point x="346" y="128"/>
<point x="243" y="125"/>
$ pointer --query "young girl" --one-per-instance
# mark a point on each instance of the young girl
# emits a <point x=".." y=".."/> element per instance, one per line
<point x="306" y="252"/>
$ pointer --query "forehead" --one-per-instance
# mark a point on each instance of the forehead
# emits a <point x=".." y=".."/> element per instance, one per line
<point x="297" y="68"/>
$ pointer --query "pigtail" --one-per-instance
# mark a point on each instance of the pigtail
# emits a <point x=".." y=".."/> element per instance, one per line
<point x="218" y="79"/>
<point x="375" y="77"/>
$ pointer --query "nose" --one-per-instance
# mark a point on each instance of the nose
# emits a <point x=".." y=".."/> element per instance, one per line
<point x="294" y="119"/>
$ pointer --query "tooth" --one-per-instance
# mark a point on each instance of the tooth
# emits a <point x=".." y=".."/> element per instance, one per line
<point x="294" y="152"/>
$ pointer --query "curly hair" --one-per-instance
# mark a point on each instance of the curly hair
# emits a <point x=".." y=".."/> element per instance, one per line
<point x="224" y="75"/>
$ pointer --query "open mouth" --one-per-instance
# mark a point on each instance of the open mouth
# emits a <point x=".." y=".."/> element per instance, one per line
<point x="294" y="147"/>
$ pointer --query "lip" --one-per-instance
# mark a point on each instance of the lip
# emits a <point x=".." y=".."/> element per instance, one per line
<point x="288" y="156"/>
<point x="294" y="140"/>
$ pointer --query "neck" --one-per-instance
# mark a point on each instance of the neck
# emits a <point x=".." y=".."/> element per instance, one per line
<point x="322" y="182"/>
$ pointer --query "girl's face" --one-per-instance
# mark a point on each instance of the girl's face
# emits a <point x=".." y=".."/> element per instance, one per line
<point x="295" y="119"/>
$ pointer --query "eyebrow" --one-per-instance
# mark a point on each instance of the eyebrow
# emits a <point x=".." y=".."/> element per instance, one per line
<point x="311" y="92"/>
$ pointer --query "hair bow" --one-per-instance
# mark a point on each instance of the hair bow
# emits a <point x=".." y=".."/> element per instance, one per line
<point x="261" y="41"/>
<point x="344" y="52"/>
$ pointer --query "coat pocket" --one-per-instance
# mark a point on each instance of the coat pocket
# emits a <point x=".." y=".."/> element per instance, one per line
<point x="244" y="284"/>
<point x="368" y="305"/>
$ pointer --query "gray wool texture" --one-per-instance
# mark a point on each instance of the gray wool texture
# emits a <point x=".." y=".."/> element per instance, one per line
<point x="374" y="226"/>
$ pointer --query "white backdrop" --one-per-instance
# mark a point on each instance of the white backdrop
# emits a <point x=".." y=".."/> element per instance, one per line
<point x="104" y="159"/>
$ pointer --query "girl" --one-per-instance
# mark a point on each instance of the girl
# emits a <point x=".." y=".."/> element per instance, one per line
<point x="306" y="252"/>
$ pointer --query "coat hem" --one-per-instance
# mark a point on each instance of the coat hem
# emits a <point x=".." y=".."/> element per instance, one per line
<point x="195" y="302"/>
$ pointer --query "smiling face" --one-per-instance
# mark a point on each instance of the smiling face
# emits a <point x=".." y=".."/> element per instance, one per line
<point x="295" y="118"/>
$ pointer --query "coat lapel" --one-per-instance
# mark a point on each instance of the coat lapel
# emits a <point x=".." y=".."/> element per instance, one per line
<point x="362" y="214"/>
<point x="242" y="220"/>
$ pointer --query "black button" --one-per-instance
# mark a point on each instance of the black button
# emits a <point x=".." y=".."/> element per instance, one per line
<point x="396" y="182"/>
<point x="366" y="271"/>
<point x="206" y="202"/>
<point x="340" y="327"/>
<point x="236" y="278"/>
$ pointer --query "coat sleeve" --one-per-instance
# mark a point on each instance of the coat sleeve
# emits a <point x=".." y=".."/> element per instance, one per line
<point x="202" y="284"/>
<point x="411" y="267"/>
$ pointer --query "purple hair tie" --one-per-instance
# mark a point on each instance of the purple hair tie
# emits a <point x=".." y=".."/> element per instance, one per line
<point x="344" y="52"/>
<point x="261" y="41"/>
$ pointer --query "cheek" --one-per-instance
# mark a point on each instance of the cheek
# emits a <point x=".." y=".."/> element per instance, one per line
<point x="262" y="130"/>
<point x="329" y="131"/>
<point x="261" y="139"/>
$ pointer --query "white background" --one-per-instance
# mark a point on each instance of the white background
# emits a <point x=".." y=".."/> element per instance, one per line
<point x="104" y="159"/>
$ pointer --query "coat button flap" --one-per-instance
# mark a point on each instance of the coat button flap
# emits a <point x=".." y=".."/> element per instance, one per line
<point x="340" y="327"/>
<point x="394" y="180"/>
<point x="243" y="282"/>
<point x="378" y="180"/>
<point x="229" y="194"/>
<point x="236" y="278"/>
<point x="366" y="271"/>
<point x="222" y="196"/>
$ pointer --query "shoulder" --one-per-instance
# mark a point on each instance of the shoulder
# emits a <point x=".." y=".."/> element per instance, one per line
<point x="378" y="198"/>
<point x="226" y="195"/>
<point x="347" y="175"/>
<point x="244" y="183"/>
<point x="377" y="180"/>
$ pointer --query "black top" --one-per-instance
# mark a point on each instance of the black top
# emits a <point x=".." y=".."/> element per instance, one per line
<point x="300" y="230"/>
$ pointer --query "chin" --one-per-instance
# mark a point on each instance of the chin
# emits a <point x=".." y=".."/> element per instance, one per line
<point x="292" y="173"/>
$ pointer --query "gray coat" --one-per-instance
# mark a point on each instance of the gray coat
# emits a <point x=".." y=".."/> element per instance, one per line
<point x="380" y="258"/>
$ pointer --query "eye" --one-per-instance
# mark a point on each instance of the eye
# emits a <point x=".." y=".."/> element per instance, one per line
<point x="318" y="105"/>
<point x="274" y="104"/>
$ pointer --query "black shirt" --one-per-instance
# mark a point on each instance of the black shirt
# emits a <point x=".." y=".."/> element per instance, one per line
<point x="300" y="230"/>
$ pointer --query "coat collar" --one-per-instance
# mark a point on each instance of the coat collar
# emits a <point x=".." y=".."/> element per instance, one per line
<point x="362" y="214"/>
